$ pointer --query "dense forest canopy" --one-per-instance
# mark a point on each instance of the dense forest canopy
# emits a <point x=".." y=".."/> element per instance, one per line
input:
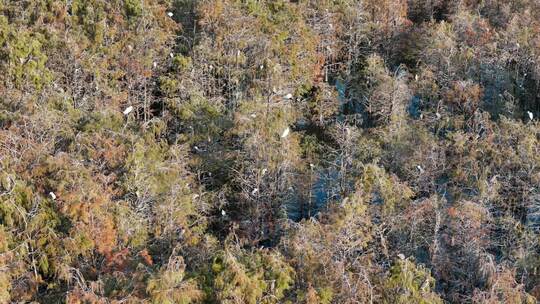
<point x="269" y="151"/>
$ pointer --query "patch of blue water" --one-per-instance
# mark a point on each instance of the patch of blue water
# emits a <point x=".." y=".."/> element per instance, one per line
<point x="414" y="107"/>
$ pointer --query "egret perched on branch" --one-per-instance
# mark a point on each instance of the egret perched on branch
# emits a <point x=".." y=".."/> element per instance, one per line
<point x="128" y="110"/>
<point x="531" y="115"/>
<point x="285" y="132"/>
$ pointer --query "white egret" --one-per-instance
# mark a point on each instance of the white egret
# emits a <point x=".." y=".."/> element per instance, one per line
<point x="128" y="110"/>
<point x="285" y="132"/>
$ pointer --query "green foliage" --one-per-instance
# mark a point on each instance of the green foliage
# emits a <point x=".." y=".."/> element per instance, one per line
<point x="159" y="180"/>
<point x="277" y="40"/>
<point x="5" y="279"/>
<point x="108" y="121"/>
<point x="90" y="14"/>
<point x="22" y="56"/>
<point x="333" y="248"/>
<point x="378" y="185"/>
<point x="169" y="285"/>
<point x="181" y="63"/>
<point x="168" y="85"/>
<point x="133" y="8"/>
<point x="387" y="94"/>
<point x="203" y="118"/>
<point x="409" y="283"/>
<point x="250" y="277"/>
